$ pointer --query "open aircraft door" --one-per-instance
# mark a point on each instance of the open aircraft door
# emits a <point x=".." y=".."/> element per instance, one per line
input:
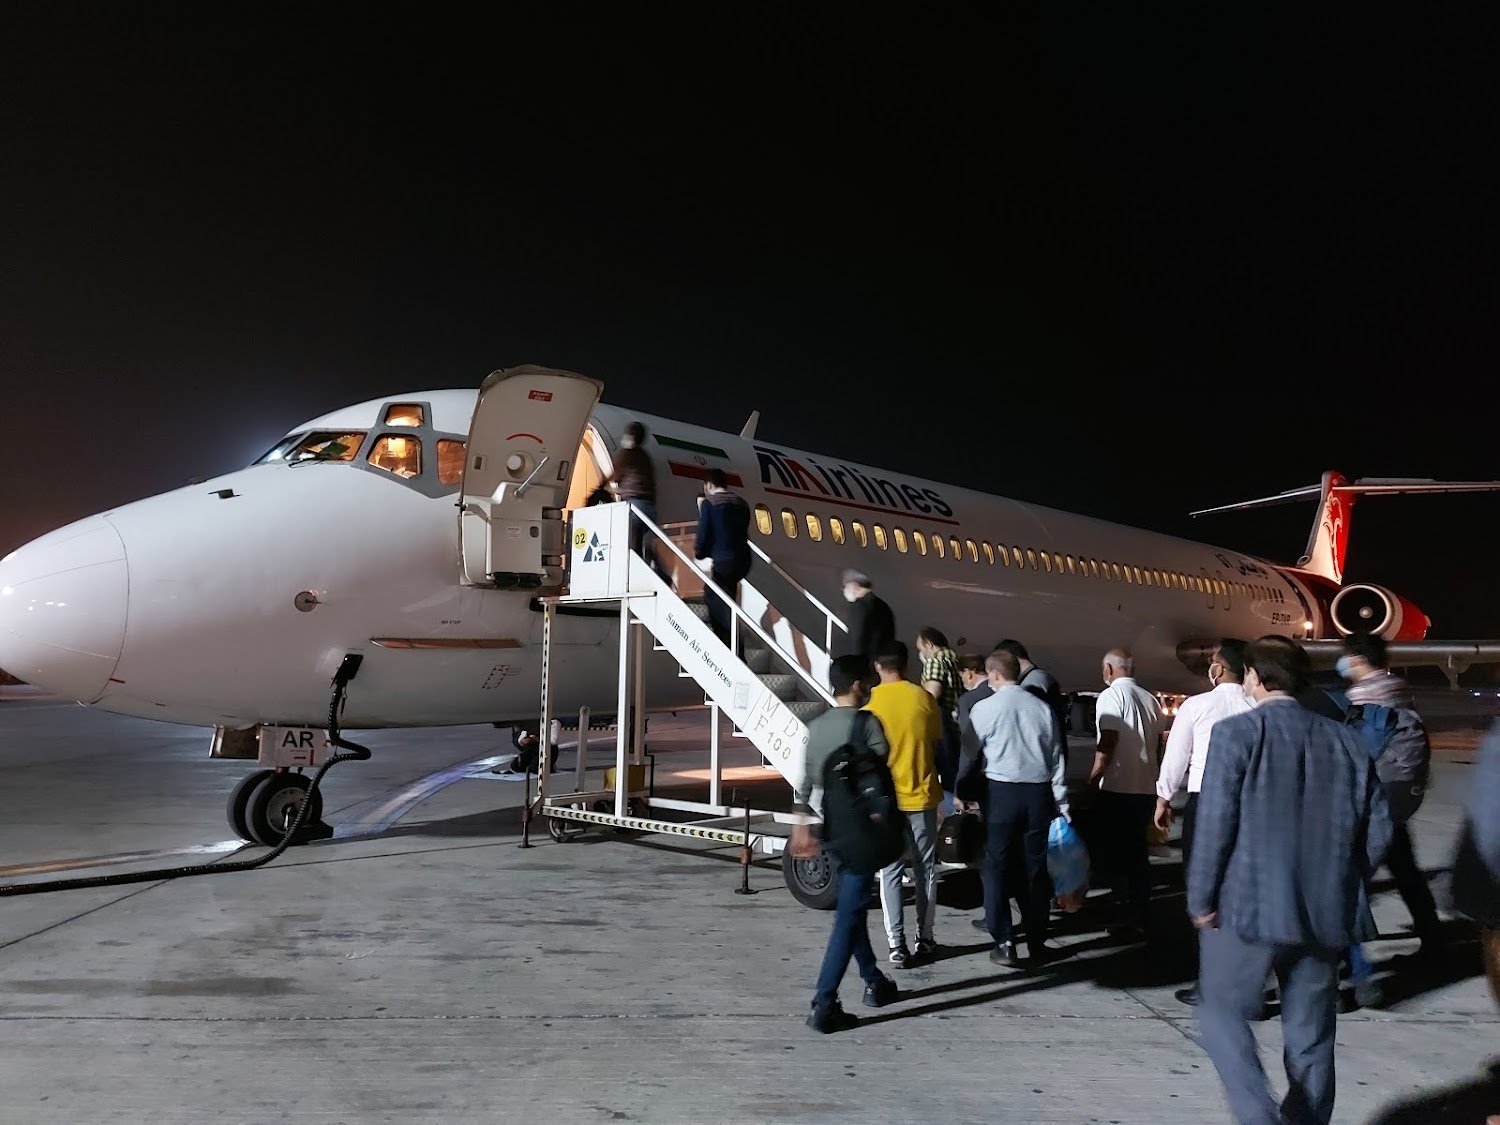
<point x="523" y="440"/>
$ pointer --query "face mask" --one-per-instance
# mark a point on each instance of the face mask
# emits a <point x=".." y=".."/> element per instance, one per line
<point x="1345" y="667"/>
<point x="849" y="595"/>
<point x="627" y="443"/>
<point x="1212" y="682"/>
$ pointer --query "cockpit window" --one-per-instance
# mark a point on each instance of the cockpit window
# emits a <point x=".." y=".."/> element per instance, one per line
<point x="450" y="457"/>
<point x="324" y="445"/>
<point x="397" y="453"/>
<point x="403" y="414"/>
<point x="278" y="451"/>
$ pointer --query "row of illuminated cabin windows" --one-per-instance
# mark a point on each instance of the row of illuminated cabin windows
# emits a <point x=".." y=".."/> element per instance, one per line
<point x="997" y="554"/>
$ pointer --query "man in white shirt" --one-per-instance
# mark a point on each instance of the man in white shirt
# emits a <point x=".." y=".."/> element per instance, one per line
<point x="1187" y="748"/>
<point x="1128" y="721"/>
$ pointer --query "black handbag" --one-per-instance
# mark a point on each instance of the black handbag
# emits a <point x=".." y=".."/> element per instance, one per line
<point x="960" y="838"/>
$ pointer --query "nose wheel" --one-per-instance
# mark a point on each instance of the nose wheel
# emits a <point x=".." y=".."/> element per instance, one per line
<point x="265" y="803"/>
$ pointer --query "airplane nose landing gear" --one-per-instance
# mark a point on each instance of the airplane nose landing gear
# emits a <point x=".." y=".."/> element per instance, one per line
<point x="266" y="803"/>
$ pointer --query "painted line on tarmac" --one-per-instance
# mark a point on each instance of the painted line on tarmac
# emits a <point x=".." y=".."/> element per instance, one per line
<point x="47" y="867"/>
<point x="372" y="817"/>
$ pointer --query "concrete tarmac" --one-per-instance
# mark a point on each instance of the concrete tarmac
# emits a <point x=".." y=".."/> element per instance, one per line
<point x="422" y="967"/>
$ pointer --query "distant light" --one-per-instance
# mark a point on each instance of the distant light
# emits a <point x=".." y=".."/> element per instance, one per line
<point x="8" y="591"/>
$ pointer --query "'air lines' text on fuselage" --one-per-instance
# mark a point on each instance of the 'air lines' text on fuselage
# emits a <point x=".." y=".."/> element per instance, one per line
<point x="842" y="484"/>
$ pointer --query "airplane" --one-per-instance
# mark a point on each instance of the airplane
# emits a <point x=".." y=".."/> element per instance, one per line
<point x="422" y="531"/>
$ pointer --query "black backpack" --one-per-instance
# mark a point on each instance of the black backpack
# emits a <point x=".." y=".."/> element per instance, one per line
<point x="862" y="824"/>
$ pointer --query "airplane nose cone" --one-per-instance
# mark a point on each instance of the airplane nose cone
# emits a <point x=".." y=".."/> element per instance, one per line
<point x="62" y="609"/>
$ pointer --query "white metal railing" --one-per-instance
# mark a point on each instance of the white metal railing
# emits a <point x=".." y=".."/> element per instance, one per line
<point x="830" y="619"/>
<point x="737" y="614"/>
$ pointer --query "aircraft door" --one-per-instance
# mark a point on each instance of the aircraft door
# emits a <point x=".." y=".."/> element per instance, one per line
<point x="523" y="440"/>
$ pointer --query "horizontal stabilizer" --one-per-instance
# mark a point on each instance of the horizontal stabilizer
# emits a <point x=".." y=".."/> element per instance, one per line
<point x="1366" y="486"/>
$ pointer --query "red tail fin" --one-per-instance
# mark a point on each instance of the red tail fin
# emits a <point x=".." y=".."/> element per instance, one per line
<point x="1329" y="539"/>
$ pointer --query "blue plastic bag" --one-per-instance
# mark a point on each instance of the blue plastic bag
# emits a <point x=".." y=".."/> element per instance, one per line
<point x="1067" y="863"/>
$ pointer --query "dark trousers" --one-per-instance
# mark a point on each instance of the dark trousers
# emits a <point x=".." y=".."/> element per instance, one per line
<point x="850" y="938"/>
<point x="1125" y="817"/>
<point x="1189" y="821"/>
<point x="1411" y="884"/>
<point x="719" y="613"/>
<point x="1017" y="817"/>
<point x="638" y="542"/>
<point x="1232" y="983"/>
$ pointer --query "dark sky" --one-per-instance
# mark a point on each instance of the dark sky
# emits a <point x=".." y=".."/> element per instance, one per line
<point x="1120" y="267"/>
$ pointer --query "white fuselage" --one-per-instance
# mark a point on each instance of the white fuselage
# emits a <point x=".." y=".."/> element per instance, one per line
<point x="232" y="602"/>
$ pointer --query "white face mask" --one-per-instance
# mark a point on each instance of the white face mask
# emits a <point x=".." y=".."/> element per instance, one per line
<point x="627" y="442"/>
<point x="851" y="594"/>
<point x="1212" y="680"/>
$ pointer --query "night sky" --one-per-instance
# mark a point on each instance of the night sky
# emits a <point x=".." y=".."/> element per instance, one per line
<point x="1124" y="268"/>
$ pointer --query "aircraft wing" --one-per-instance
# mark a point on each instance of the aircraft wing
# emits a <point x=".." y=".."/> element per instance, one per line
<point x="1453" y="657"/>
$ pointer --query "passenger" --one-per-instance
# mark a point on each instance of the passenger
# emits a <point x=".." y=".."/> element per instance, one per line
<point x="633" y="479"/>
<point x="872" y="625"/>
<point x="1476" y="865"/>
<point x="723" y="539"/>
<point x="1366" y="667"/>
<point x="976" y="683"/>
<point x="849" y="678"/>
<point x="1020" y="741"/>
<point x="1039" y="681"/>
<point x="1129" y="723"/>
<point x="1187" y="749"/>
<point x="1291" y="822"/>
<point x="940" y="677"/>
<point x="913" y="729"/>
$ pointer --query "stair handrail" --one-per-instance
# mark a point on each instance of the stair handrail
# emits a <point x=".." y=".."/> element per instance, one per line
<point x="830" y="618"/>
<point x="790" y="661"/>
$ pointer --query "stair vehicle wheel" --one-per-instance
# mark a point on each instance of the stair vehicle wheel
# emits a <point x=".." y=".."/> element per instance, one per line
<point x="564" y="830"/>
<point x="239" y="804"/>
<point x="274" y="803"/>
<point x="813" y="880"/>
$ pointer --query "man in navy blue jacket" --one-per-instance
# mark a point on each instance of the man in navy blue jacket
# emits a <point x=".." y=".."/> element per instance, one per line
<point x="1291" y="822"/>
<point x="723" y="539"/>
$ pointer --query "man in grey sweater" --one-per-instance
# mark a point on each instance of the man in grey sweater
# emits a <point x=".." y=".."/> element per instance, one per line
<point x="1022" y="746"/>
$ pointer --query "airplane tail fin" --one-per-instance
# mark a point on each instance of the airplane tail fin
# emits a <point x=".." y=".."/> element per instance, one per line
<point x="1329" y="538"/>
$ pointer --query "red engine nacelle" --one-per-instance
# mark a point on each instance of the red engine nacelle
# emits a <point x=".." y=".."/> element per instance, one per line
<point x="1365" y="608"/>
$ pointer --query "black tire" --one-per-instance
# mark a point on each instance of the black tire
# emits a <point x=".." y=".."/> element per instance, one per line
<point x="813" y="881"/>
<point x="239" y="804"/>
<point x="562" y="830"/>
<point x="276" y="797"/>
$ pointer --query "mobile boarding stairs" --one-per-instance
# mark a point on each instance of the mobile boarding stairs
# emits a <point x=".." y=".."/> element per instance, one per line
<point x="759" y="693"/>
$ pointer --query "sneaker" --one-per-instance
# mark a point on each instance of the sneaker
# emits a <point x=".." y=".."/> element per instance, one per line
<point x="832" y="1018"/>
<point x="926" y="948"/>
<point x="880" y="992"/>
<point x="1188" y="995"/>
<point x="1369" y="994"/>
<point x="901" y="956"/>
<point x="1005" y="954"/>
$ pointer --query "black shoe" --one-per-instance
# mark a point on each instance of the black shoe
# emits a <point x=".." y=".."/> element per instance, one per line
<point x="925" y="950"/>
<point x="901" y="956"/>
<point x="1005" y="954"/>
<point x="1188" y="995"/>
<point x="1369" y="994"/>
<point x="980" y="924"/>
<point x="1127" y="931"/>
<point x="1426" y="958"/>
<point x="1039" y="957"/>
<point x="880" y="992"/>
<point x="830" y="1019"/>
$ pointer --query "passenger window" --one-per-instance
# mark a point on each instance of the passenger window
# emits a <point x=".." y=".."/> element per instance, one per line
<point x="1057" y="563"/>
<point x="1093" y="568"/>
<point x="1072" y="566"/>
<point x="814" y="528"/>
<point x="1002" y="554"/>
<point x="836" y="529"/>
<point x="399" y="455"/>
<point x="879" y="533"/>
<point x="1115" y="570"/>
<point x="919" y="540"/>
<point x="860" y="538"/>
<point x="900" y="537"/>
<point x="1020" y="559"/>
<point x="973" y="550"/>
<point x="763" y="519"/>
<point x="958" y="551"/>
<point x="789" y="523"/>
<point x="989" y="554"/>
<point x="1046" y="562"/>
<point x="450" y="457"/>
<point x="1031" y="557"/>
<point x="403" y="414"/>
<point x="937" y="546"/>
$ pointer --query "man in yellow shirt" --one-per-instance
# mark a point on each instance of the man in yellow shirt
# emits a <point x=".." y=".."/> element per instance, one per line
<point x="913" y="727"/>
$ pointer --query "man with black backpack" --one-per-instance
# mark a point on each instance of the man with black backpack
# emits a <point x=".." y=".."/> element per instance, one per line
<point x="1383" y="712"/>
<point x="863" y="831"/>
